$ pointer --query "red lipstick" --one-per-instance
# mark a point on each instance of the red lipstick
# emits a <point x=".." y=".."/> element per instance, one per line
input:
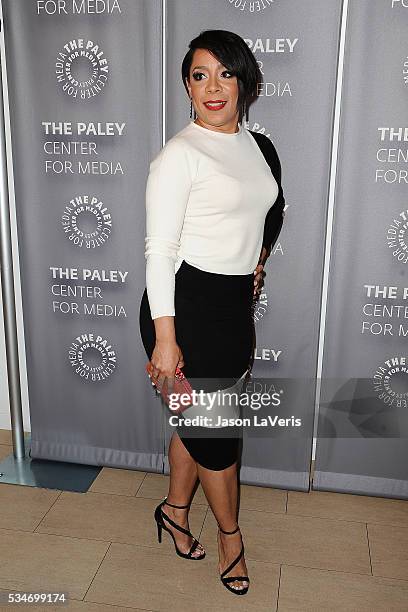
<point x="215" y="105"/>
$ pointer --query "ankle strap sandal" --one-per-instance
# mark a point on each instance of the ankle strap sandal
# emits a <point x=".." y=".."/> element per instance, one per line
<point x="226" y="579"/>
<point x="159" y="515"/>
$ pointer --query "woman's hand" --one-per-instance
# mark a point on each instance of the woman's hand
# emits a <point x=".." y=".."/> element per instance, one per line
<point x="166" y="356"/>
<point x="258" y="280"/>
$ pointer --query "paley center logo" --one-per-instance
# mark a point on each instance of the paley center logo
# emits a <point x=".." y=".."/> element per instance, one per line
<point x="391" y="381"/>
<point x="253" y="6"/>
<point x="86" y="221"/>
<point x="260" y="305"/>
<point x="92" y="357"/>
<point x="264" y="47"/>
<point x="397" y="233"/>
<point x="81" y="68"/>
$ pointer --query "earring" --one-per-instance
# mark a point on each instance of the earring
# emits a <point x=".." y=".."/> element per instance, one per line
<point x="191" y="110"/>
<point x="246" y="111"/>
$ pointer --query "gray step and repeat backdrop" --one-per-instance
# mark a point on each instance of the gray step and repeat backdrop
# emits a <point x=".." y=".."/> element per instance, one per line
<point x="363" y="426"/>
<point x="85" y="88"/>
<point x="298" y="60"/>
<point x="85" y="110"/>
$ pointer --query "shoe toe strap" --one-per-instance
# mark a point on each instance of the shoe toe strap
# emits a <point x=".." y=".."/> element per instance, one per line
<point x="233" y="564"/>
<point x="233" y="578"/>
<point x="193" y="547"/>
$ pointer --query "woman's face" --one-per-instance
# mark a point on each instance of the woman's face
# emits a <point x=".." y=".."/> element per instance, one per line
<point x="210" y="81"/>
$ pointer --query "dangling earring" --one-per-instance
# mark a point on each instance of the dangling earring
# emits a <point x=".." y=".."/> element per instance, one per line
<point x="246" y="111"/>
<point x="191" y="110"/>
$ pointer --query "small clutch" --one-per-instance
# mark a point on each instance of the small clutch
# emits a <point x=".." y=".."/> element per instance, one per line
<point x="181" y="387"/>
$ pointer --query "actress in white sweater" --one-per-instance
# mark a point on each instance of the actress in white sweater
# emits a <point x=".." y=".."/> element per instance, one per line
<point x="214" y="209"/>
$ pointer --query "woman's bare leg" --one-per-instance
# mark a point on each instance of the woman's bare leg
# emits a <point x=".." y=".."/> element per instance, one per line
<point x="221" y="490"/>
<point x="183" y="477"/>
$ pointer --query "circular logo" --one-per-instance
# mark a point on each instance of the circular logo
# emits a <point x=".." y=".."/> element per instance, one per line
<point x="405" y="70"/>
<point x="87" y="222"/>
<point x="391" y="382"/>
<point x="92" y="357"/>
<point x="81" y="68"/>
<point x="251" y="6"/>
<point x="397" y="237"/>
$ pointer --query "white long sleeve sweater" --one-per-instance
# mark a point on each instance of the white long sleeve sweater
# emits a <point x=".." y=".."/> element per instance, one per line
<point x="207" y="196"/>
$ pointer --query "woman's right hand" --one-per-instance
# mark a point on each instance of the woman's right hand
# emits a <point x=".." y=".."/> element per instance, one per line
<point x="166" y="356"/>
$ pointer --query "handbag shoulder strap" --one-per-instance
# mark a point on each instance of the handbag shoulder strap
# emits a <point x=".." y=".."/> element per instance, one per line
<point x="274" y="217"/>
<point x="269" y="152"/>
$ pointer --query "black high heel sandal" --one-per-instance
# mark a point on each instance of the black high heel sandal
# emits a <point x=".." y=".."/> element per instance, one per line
<point x="225" y="580"/>
<point x="159" y="514"/>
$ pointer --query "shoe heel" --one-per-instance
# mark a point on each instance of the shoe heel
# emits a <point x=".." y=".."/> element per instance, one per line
<point x="159" y="532"/>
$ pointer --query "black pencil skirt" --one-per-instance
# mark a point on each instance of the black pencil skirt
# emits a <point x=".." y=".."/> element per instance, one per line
<point x="215" y="331"/>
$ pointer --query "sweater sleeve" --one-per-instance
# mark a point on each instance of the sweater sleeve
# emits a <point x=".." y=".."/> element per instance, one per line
<point x="274" y="217"/>
<point x="167" y="192"/>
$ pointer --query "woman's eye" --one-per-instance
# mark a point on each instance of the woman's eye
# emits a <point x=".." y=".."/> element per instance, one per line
<point x="196" y="75"/>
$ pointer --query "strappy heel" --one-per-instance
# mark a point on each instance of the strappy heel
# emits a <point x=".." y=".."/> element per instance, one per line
<point x="226" y="579"/>
<point x="159" y="514"/>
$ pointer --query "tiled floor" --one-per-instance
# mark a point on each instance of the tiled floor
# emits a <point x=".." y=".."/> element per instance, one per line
<point x="304" y="551"/>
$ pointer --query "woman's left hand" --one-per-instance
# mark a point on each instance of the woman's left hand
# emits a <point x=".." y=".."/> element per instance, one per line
<point x="258" y="279"/>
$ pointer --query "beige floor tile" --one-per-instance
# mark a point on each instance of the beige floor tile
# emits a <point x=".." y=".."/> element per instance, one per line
<point x="5" y="437"/>
<point x="86" y="606"/>
<point x="46" y="563"/>
<point x="117" y="481"/>
<point x="156" y="486"/>
<point x="297" y="540"/>
<point x="113" y="518"/>
<point x="5" y="451"/>
<point x="70" y="605"/>
<point x="263" y="498"/>
<point x="24" y="507"/>
<point x="310" y="590"/>
<point x="143" y="577"/>
<point x="349" y="507"/>
<point x="389" y="551"/>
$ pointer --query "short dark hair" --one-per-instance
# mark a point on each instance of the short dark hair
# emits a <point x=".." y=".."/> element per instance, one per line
<point x="233" y="53"/>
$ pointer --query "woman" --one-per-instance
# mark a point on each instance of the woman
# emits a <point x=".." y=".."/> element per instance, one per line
<point x="213" y="211"/>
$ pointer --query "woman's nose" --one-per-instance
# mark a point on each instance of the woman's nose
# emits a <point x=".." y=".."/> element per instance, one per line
<point x="213" y="84"/>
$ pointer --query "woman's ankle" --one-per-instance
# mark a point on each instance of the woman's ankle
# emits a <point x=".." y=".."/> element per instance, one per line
<point x="178" y="505"/>
<point x="230" y="531"/>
